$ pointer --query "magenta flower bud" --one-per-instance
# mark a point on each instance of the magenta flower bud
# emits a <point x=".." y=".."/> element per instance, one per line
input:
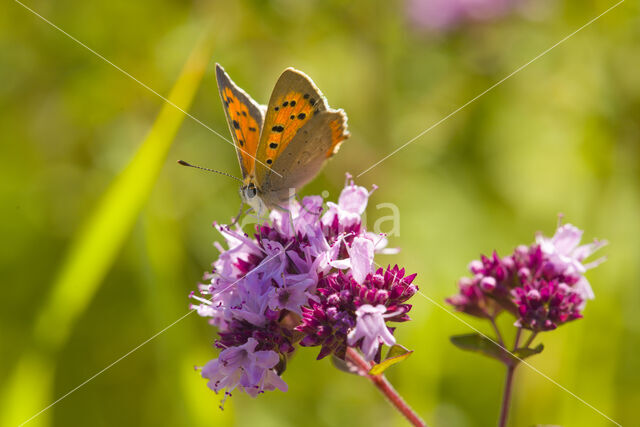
<point x="521" y="251"/>
<point x="333" y="299"/>
<point x="488" y="284"/>
<point x="465" y="282"/>
<point x="533" y="295"/>
<point x="508" y="263"/>
<point x="382" y="295"/>
<point x="377" y="280"/>
<point x="523" y="274"/>
<point x="544" y="294"/>
<point x="476" y="267"/>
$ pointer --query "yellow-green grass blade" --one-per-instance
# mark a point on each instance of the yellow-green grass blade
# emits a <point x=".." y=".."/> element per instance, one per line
<point x="94" y="249"/>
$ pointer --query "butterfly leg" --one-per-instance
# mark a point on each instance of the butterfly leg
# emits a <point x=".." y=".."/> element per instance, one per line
<point x="291" y="220"/>
<point x="235" y="220"/>
<point x="297" y="197"/>
<point x="288" y="211"/>
<point x="253" y="218"/>
<point x="241" y="213"/>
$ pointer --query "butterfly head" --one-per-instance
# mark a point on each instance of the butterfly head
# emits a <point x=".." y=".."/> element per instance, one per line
<point x="250" y="195"/>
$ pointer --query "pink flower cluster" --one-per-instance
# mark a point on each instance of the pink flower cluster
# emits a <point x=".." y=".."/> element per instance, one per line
<point x="305" y="278"/>
<point x="442" y="15"/>
<point x="542" y="285"/>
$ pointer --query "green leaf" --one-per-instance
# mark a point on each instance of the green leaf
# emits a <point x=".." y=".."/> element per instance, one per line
<point x="343" y="365"/>
<point x="523" y="353"/>
<point x="480" y="344"/>
<point x="396" y="354"/>
<point x="397" y="350"/>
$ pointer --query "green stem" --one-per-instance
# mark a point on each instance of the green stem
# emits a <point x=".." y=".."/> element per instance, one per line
<point x="531" y="338"/>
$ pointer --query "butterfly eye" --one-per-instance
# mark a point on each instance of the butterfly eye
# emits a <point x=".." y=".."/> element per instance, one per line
<point x="250" y="191"/>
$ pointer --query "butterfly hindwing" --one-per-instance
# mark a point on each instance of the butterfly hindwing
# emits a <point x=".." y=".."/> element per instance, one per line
<point x="245" y="118"/>
<point x="305" y="155"/>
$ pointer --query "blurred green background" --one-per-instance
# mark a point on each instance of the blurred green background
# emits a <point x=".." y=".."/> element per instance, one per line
<point x="104" y="235"/>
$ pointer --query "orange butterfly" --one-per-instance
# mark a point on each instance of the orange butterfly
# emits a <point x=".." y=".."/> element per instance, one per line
<point x="284" y="145"/>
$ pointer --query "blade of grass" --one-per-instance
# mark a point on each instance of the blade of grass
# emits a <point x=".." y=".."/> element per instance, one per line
<point x="95" y="248"/>
<point x="192" y="403"/>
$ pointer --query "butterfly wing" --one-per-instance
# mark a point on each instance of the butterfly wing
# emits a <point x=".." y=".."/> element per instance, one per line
<point x="244" y="117"/>
<point x="300" y="132"/>
<point x="294" y="101"/>
<point x="306" y="154"/>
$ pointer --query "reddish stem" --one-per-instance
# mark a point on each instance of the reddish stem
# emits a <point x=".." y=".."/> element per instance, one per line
<point x="385" y="387"/>
<point x="508" y="383"/>
<point x="506" y="397"/>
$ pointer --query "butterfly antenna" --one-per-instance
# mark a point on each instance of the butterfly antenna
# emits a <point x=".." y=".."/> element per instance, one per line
<point x="183" y="163"/>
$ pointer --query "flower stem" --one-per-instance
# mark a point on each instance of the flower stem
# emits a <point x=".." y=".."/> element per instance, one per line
<point x="517" y="339"/>
<point x="531" y="338"/>
<point x="385" y="387"/>
<point x="495" y="328"/>
<point x="506" y="397"/>
<point x="508" y="383"/>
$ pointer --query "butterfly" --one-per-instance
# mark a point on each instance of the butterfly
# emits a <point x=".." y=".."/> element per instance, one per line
<point x="281" y="146"/>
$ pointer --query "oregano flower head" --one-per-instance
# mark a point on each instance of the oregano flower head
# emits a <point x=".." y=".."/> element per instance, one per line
<point x="305" y="278"/>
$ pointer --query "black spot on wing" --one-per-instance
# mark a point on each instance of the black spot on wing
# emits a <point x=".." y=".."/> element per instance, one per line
<point x="236" y="124"/>
<point x="277" y="128"/>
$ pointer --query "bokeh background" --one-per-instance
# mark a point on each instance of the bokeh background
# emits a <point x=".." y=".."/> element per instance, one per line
<point x="104" y="236"/>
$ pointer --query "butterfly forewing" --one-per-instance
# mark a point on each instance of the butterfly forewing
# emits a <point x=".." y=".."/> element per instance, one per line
<point x="294" y="102"/>
<point x="245" y="118"/>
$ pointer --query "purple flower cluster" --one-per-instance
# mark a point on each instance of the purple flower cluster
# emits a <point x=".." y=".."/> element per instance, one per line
<point x="350" y="312"/>
<point x="542" y="285"/>
<point x="305" y="278"/>
<point x="442" y="15"/>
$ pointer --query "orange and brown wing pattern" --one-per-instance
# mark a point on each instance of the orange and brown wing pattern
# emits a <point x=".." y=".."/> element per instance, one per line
<point x="338" y="133"/>
<point x="245" y="118"/>
<point x="304" y="157"/>
<point x="294" y="101"/>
